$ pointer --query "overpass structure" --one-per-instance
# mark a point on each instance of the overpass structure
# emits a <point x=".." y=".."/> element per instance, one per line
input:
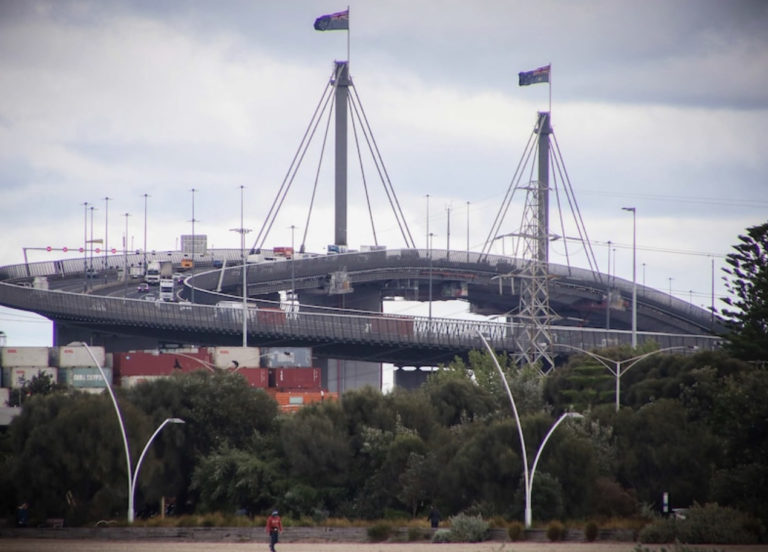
<point x="487" y="282"/>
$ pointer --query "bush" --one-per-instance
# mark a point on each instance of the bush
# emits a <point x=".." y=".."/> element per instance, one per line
<point x="516" y="531"/>
<point x="466" y="528"/>
<point x="555" y="531"/>
<point x="711" y="524"/>
<point x="658" y="532"/>
<point x="417" y="534"/>
<point x="591" y="531"/>
<point x="379" y="532"/>
<point x="442" y="536"/>
<point x="716" y="524"/>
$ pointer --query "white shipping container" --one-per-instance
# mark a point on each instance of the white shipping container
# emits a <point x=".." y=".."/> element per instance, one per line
<point x="130" y="381"/>
<point x="73" y="356"/>
<point x="16" y="377"/>
<point x="236" y="357"/>
<point x="24" y="356"/>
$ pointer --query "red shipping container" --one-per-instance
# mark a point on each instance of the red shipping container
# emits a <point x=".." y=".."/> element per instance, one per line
<point x="256" y="377"/>
<point x="141" y="363"/>
<point x="274" y="317"/>
<point x="297" y="378"/>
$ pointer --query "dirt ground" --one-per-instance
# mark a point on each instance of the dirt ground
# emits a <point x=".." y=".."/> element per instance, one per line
<point x="48" y="545"/>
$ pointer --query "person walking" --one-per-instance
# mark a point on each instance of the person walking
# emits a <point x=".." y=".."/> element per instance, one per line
<point x="434" y="518"/>
<point x="274" y="528"/>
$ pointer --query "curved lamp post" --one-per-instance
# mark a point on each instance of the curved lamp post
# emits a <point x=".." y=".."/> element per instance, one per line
<point x="615" y="366"/>
<point x="132" y="476"/>
<point x="528" y="478"/>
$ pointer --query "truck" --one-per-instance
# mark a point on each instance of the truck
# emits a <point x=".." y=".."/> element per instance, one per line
<point x="166" y="289"/>
<point x="157" y="270"/>
<point x="152" y="277"/>
<point x="136" y="272"/>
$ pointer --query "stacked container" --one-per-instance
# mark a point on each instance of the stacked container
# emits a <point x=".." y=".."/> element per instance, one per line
<point x="137" y="366"/>
<point x="79" y="369"/>
<point x="293" y="381"/>
<point x="245" y="361"/>
<point x="21" y="364"/>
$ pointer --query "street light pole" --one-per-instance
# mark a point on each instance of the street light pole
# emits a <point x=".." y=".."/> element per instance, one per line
<point x="430" y="280"/>
<point x="528" y="478"/>
<point x="106" y="232"/>
<point x="615" y="366"/>
<point x="145" y="231"/>
<point x="132" y="476"/>
<point x="634" y="274"/>
<point x="242" y="231"/>
<point x="85" y="246"/>
<point x="467" y="231"/>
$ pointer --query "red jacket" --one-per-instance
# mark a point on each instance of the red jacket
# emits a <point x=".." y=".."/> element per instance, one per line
<point x="274" y="523"/>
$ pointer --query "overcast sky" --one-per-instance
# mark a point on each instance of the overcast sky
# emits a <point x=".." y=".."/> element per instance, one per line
<point x="658" y="105"/>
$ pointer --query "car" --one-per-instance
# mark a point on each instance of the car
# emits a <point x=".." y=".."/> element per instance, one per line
<point x="178" y="277"/>
<point x="143" y="287"/>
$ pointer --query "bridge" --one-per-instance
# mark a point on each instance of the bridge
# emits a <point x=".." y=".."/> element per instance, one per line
<point x="336" y="300"/>
<point x="486" y="281"/>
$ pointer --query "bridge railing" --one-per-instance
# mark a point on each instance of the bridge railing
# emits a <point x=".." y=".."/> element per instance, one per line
<point x="313" y="327"/>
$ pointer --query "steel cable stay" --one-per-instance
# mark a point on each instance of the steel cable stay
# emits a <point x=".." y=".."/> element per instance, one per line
<point x="521" y="231"/>
<point x="574" y="205"/>
<point x="508" y="196"/>
<point x="365" y="183"/>
<point x="399" y="216"/>
<point x="295" y="167"/>
<point x="376" y="161"/>
<point x="317" y="178"/>
<point x="288" y="179"/>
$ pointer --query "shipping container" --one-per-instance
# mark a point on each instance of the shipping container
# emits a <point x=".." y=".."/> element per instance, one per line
<point x="297" y="378"/>
<point x="142" y="363"/>
<point x="388" y="324"/>
<point x="256" y="377"/>
<point x="270" y="316"/>
<point x="279" y="357"/>
<point x="236" y="357"/>
<point x="290" y="401"/>
<point x="130" y="381"/>
<point x="84" y="376"/>
<point x="16" y="377"/>
<point x="24" y="356"/>
<point x="73" y="356"/>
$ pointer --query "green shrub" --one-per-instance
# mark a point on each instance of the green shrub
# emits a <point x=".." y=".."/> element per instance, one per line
<point x="418" y="534"/>
<point x="658" y="532"/>
<point x="379" y="532"/>
<point x="516" y="531"/>
<point x="466" y="528"/>
<point x="555" y="531"/>
<point x="714" y="524"/>
<point x="442" y="536"/>
<point x="591" y="530"/>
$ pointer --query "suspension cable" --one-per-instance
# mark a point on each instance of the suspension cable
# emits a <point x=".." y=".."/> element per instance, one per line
<point x="285" y="185"/>
<point x="317" y="178"/>
<point x="399" y="216"/>
<point x="362" y="174"/>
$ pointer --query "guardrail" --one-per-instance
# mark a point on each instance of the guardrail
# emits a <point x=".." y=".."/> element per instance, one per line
<point x="381" y="330"/>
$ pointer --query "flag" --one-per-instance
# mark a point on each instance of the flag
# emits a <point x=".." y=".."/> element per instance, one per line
<point x="338" y="21"/>
<point x="532" y="77"/>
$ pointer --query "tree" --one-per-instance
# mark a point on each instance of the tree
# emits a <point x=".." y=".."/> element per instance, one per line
<point x="747" y="282"/>
<point x="41" y="384"/>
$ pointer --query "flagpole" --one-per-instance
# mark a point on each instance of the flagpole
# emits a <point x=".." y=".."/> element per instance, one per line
<point x="550" y="88"/>
<point x="348" y="31"/>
